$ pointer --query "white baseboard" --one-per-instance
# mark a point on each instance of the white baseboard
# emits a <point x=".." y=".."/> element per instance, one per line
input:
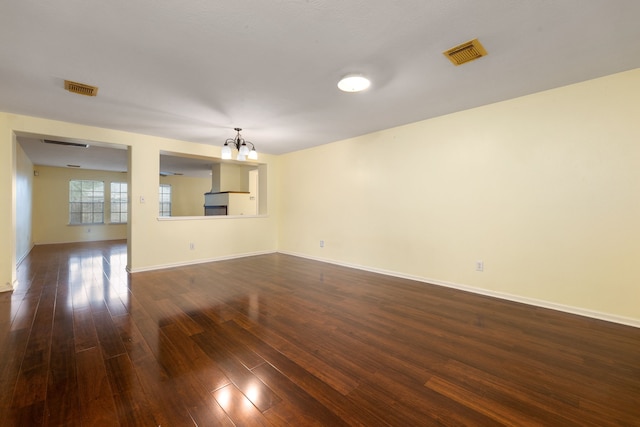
<point x="194" y="262"/>
<point x="501" y="295"/>
<point x="20" y="259"/>
<point x="8" y="287"/>
<point x="66" y="242"/>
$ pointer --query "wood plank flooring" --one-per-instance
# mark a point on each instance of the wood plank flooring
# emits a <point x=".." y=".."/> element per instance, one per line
<point x="276" y="340"/>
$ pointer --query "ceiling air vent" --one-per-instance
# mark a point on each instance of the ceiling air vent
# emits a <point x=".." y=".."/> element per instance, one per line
<point x="466" y="52"/>
<point x="80" y="88"/>
<point x="65" y="143"/>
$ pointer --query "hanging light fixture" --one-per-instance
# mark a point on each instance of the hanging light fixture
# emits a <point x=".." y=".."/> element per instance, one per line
<point x="241" y="145"/>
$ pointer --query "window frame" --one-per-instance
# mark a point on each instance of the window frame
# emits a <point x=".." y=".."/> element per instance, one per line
<point x="121" y="204"/>
<point x="88" y="196"/>
<point x="161" y="203"/>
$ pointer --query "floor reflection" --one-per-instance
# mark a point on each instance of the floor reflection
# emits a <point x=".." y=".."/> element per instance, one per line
<point x="98" y="276"/>
<point x="238" y="343"/>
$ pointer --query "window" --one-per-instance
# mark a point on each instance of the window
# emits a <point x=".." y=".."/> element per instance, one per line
<point x="119" y="202"/>
<point x="86" y="202"/>
<point x="165" y="200"/>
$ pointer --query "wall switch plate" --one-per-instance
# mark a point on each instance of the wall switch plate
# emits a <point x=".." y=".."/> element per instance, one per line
<point x="322" y="243"/>
<point x="479" y="265"/>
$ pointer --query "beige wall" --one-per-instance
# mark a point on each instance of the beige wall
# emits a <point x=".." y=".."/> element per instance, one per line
<point x="24" y="203"/>
<point x="187" y="194"/>
<point x="51" y="207"/>
<point x="230" y="177"/>
<point x="545" y="189"/>
<point x="7" y="205"/>
<point x="153" y="242"/>
<point x="160" y="242"/>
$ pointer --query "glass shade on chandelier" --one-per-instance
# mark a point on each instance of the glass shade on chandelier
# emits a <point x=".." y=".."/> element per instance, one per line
<point x="241" y="145"/>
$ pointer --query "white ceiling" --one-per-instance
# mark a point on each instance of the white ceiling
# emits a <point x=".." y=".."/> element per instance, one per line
<point x="195" y="70"/>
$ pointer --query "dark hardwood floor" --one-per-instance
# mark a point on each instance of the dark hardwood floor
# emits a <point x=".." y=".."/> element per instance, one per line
<point x="276" y="340"/>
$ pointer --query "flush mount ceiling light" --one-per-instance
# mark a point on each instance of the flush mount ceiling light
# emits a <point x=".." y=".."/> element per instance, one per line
<point x="353" y="83"/>
<point x="241" y="145"/>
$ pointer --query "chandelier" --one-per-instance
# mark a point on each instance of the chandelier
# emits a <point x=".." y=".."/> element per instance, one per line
<point x="241" y="145"/>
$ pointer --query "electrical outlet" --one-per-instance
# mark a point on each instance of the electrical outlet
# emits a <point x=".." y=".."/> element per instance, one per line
<point x="192" y="246"/>
<point x="322" y="243"/>
<point x="479" y="265"/>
